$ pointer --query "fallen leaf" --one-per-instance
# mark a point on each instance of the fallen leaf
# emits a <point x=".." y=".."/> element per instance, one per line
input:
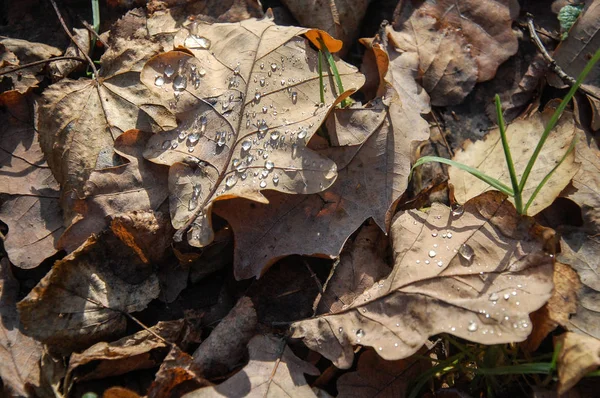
<point x="225" y="347"/>
<point x="79" y="120"/>
<point x="176" y="376"/>
<point x="119" y="392"/>
<point x="371" y="179"/>
<point x="30" y="205"/>
<point x="477" y="276"/>
<point x="340" y="18"/>
<point x="522" y="136"/>
<point x="137" y="186"/>
<point x="457" y="43"/>
<point x="375" y="377"/>
<point x="273" y="371"/>
<point x="580" y="250"/>
<point x="361" y="264"/>
<point x="20" y="356"/>
<point x="62" y="69"/>
<point x="82" y="300"/>
<point x="141" y="350"/>
<point x="248" y="106"/>
<point x="578" y="356"/>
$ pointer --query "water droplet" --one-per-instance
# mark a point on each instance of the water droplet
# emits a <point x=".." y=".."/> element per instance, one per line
<point x="273" y="67"/>
<point x="494" y="297"/>
<point x="294" y="97"/>
<point x="269" y="165"/>
<point x="439" y="263"/>
<point x="264" y="173"/>
<point x="166" y="144"/>
<point x="380" y="348"/>
<point x="506" y="296"/>
<point x="193" y="139"/>
<point x="302" y="133"/>
<point x="263" y="184"/>
<point x="432" y="253"/>
<point x="169" y="71"/>
<point x="236" y="71"/>
<point x="264" y="109"/>
<point x="246" y="145"/>
<point x="457" y="210"/>
<point x="449" y="235"/>
<point x="275" y="135"/>
<point x="466" y="252"/>
<point x="257" y="96"/>
<point x="434" y="234"/>
<point x="262" y="82"/>
<point x="262" y="65"/>
<point x="181" y="135"/>
<point x="159" y="81"/>
<point x="283" y="82"/>
<point x="360" y="333"/>
<point x="472" y="327"/>
<point x="230" y="181"/>
<point x="275" y="179"/>
<point x="202" y="72"/>
<point x="174" y="145"/>
<point x="180" y="83"/>
<point x="340" y="330"/>
<point x="221" y="135"/>
<point x="197" y="42"/>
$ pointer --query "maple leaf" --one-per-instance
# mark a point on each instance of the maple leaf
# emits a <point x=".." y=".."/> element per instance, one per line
<point x="248" y="100"/>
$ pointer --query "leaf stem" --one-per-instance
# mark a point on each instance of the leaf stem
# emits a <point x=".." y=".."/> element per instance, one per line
<point x="555" y="116"/>
<point x="508" y="156"/>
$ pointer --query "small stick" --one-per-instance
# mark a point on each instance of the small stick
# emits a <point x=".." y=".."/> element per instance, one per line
<point x="90" y="29"/>
<point x="43" y="61"/>
<point x="66" y="29"/>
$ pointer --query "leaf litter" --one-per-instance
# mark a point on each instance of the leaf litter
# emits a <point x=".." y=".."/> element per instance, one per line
<point x="185" y="115"/>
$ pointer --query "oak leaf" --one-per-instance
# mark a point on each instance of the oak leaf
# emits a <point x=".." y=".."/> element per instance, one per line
<point x="273" y="371"/>
<point x="477" y="275"/>
<point x="522" y="135"/>
<point x="578" y="355"/>
<point x="247" y="104"/>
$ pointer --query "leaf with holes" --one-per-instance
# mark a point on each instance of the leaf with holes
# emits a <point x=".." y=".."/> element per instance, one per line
<point x="247" y="95"/>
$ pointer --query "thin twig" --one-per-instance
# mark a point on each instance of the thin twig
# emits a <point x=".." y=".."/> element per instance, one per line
<point x="66" y="29"/>
<point x="40" y="62"/>
<point x="90" y="29"/>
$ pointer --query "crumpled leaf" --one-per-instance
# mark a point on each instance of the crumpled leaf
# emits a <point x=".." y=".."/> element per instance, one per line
<point x="578" y="356"/>
<point x="79" y="120"/>
<point x="141" y="350"/>
<point x="457" y="43"/>
<point x="340" y="18"/>
<point x="522" y="135"/>
<point x="20" y="356"/>
<point x="273" y="371"/>
<point x="62" y="69"/>
<point x="247" y="106"/>
<point x="372" y="177"/>
<point x="30" y="205"/>
<point x="82" y="300"/>
<point x="375" y="377"/>
<point x="137" y="185"/>
<point x="477" y="275"/>
<point x="176" y="376"/>
<point x="581" y="250"/>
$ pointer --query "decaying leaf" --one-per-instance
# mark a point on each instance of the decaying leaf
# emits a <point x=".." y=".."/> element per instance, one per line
<point x="340" y="18"/>
<point x="581" y="251"/>
<point x="248" y="105"/>
<point x="29" y="204"/>
<point x="457" y="43"/>
<point x="79" y="120"/>
<point x="82" y="300"/>
<point x="273" y="371"/>
<point x="375" y="377"/>
<point x="522" y="135"/>
<point x="20" y="356"/>
<point x="137" y="185"/>
<point x="477" y="275"/>
<point x="372" y="177"/>
<point x="141" y="350"/>
<point x="176" y="376"/>
<point x="578" y="356"/>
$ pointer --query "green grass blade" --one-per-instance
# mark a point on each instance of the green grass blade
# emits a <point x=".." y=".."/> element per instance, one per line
<point x="555" y="116"/>
<point x="334" y="70"/>
<point x="474" y="172"/>
<point x="525" y="368"/>
<point x="508" y="156"/>
<point x="321" y="86"/>
<point x="547" y="177"/>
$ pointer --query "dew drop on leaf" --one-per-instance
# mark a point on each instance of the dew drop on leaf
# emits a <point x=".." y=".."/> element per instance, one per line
<point x="466" y="252"/>
<point x="159" y="81"/>
<point x="472" y="327"/>
<point x="263" y="184"/>
<point x="230" y="181"/>
<point x="179" y="83"/>
<point x="169" y="71"/>
<point x="246" y="145"/>
<point x="269" y="165"/>
<point x="197" y="42"/>
<point x="360" y="333"/>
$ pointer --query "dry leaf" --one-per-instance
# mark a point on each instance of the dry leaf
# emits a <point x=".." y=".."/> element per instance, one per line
<point x="578" y="356"/>
<point x="581" y="251"/>
<point x="141" y="350"/>
<point x="477" y="275"/>
<point x="30" y="207"/>
<point x="137" y="185"/>
<point x="522" y="135"/>
<point x="20" y="356"/>
<point x="361" y="264"/>
<point x="224" y="349"/>
<point x="273" y="371"/>
<point x="375" y="377"/>
<point x="176" y="376"/>
<point x="370" y="183"/>
<point x="82" y="300"/>
<point x="340" y="18"/>
<point x="248" y="105"/>
<point x="62" y="69"/>
<point x="79" y="120"/>
<point x="457" y="43"/>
